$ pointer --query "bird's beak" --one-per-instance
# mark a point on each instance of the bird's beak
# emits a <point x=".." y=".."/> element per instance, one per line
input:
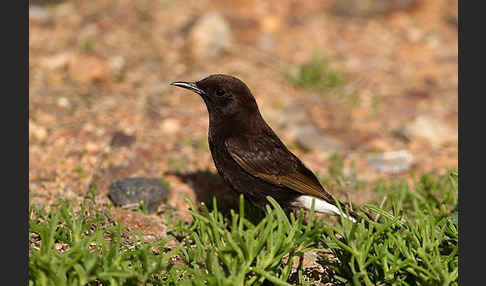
<point x="189" y="85"/>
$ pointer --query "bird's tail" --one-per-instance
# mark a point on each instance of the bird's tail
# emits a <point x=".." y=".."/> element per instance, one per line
<point x="323" y="206"/>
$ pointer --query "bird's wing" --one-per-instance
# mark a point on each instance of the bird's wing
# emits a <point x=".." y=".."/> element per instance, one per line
<point x="267" y="158"/>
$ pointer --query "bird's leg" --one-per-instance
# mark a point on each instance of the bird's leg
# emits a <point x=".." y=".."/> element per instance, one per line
<point x="259" y="204"/>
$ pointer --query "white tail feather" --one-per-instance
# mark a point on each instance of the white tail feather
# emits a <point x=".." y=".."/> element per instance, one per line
<point x="320" y="206"/>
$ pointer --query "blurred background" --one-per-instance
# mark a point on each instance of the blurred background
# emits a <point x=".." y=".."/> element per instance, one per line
<point x="358" y="89"/>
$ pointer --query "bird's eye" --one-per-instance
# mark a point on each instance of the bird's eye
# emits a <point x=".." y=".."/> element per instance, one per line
<point x="220" y="92"/>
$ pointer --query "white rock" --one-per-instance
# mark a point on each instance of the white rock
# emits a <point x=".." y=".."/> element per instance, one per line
<point x="56" y="61"/>
<point x="210" y="35"/>
<point x="432" y="130"/>
<point x="63" y="102"/>
<point x="39" y="132"/>
<point x="391" y="162"/>
<point x="171" y="126"/>
<point x="116" y="63"/>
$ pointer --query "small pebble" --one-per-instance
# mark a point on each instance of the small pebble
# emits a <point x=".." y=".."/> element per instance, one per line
<point x="63" y="102"/>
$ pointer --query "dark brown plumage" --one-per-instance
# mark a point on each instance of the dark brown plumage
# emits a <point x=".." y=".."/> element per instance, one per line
<point x="249" y="155"/>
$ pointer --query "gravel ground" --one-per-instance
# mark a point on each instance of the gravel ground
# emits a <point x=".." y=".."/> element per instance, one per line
<point x="101" y="108"/>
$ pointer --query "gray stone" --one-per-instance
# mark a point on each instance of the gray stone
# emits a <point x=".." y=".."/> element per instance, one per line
<point x="304" y="132"/>
<point x="308" y="137"/>
<point x="128" y="192"/>
<point x="391" y="162"/>
<point x="39" y="14"/>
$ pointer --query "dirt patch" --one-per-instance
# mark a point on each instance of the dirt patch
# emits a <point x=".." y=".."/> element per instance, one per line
<point x="101" y="108"/>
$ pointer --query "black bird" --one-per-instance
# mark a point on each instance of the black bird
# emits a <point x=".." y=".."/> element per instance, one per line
<point x="249" y="155"/>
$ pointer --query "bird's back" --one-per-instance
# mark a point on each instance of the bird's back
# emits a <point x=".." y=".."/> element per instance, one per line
<point x="257" y="163"/>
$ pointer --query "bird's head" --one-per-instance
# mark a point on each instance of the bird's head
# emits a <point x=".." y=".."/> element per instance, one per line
<point x="226" y="97"/>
